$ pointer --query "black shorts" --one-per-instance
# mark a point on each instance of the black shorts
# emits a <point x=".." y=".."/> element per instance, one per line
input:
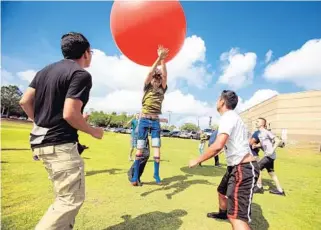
<point x="237" y="186"/>
<point x="267" y="163"/>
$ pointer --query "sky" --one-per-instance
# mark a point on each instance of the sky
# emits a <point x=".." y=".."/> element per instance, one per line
<point x="257" y="49"/>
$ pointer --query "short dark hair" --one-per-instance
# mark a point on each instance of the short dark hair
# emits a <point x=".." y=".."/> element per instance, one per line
<point x="74" y="45"/>
<point x="263" y="120"/>
<point x="230" y="98"/>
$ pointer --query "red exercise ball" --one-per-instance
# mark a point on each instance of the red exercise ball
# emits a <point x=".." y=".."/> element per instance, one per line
<point x="138" y="27"/>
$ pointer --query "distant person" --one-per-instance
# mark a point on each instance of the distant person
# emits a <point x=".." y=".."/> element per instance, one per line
<point x="267" y="162"/>
<point x="55" y="101"/>
<point x="235" y="192"/>
<point x="203" y="138"/>
<point x="253" y="141"/>
<point x="210" y="142"/>
<point x="143" y="162"/>
<point x="134" y="124"/>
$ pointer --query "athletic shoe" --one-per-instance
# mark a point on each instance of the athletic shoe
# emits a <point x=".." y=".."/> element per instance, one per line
<point x="277" y="192"/>
<point x="258" y="190"/>
<point x="217" y="215"/>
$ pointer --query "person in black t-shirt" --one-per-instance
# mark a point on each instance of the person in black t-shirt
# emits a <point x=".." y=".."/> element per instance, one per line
<point x="255" y="140"/>
<point x="55" y="100"/>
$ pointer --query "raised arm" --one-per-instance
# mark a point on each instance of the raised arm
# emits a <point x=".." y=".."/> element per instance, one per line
<point x="164" y="74"/>
<point x="162" y="53"/>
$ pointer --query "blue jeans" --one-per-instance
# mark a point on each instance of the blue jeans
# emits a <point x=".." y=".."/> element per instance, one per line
<point x="145" y="126"/>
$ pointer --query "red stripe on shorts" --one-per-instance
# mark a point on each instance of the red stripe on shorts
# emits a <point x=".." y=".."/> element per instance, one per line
<point x="238" y="182"/>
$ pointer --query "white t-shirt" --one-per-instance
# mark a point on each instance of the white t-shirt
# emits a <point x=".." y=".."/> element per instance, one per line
<point x="266" y="140"/>
<point x="237" y="145"/>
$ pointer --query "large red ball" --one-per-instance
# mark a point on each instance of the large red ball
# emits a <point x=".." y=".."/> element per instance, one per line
<point x="138" y="27"/>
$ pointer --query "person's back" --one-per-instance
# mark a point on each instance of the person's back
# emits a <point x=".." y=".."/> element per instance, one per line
<point x="55" y="100"/>
<point x="54" y="83"/>
<point x="237" y="145"/>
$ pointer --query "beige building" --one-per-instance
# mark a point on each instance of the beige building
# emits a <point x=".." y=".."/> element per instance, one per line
<point x="296" y="117"/>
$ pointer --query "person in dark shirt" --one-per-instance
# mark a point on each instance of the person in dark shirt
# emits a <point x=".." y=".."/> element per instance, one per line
<point x="55" y="100"/>
<point x="210" y="142"/>
<point x="255" y="140"/>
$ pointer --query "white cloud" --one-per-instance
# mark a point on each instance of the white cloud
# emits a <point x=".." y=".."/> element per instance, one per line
<point x="6" y="77"/>
<point x="301" y="66"/>
<point x="258" y="97"/>
<point x="119" y="73"/>
<point x="237" y="68"/>
<point x="130" y="101"/>
<point x="268" y="56"/>
<point x="27" y="75"/>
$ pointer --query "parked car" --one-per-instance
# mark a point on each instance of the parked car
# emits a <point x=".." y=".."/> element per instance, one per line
<point x="165" y="133"/>
<point x="175" y="134"/>
<point x="184" y="135"/>
<point x="118" y="130"/>
<point x="192" y="135"/>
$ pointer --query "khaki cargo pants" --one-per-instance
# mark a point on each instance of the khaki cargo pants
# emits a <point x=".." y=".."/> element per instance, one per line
<point x="66" y="171"/>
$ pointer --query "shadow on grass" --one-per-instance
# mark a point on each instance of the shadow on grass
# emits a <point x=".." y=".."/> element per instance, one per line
<point x="268" y="183"/>
<point x="4" y="162"/>
<point x="205" y="170"/>
<point x="110" y="171"/>
<point x="160" y="160"/>
<point x="14" y="149"/>
<point x="153" y="220"/>
<point x="258" y="220"/>
<point x="181" y="184"/>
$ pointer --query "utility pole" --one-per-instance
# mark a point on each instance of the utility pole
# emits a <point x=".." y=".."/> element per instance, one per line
<point x="210" y="123"/>
<point x="169" y="117"/>
<point x="198" y="122"/>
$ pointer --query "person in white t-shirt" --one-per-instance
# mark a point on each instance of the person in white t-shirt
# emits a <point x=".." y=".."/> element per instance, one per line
<point x="235" y="191"/>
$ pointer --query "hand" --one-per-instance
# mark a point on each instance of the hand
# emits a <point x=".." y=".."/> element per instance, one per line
<point x="97" y="133"/>
<point x="163" y="120"/>
<point x="193" y="163"/>
<point x="85" y="116"/>
<point x="162" y="52"/>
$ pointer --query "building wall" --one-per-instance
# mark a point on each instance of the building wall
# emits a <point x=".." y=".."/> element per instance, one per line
<point x="297" y="113"/>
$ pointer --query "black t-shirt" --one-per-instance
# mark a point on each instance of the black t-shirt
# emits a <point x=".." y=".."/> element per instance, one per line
<point x="255" y="135"/>
<point x="53" y="84"/>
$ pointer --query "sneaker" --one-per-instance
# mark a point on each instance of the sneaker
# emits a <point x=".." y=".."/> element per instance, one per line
<point x="217" y="215"/>
<point x="258" y="190"/>
<point x="218" y="165"/>
<point x="277" y="192"/>
<point x="157" y="179"/>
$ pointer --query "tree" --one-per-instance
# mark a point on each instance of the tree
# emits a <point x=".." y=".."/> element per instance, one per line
<point x="100" y="119"/>
<point x="170" y="128"/>
<point x="10" y="97"/>
<point x="214" y="126"/>
<point x="189" y="127"/>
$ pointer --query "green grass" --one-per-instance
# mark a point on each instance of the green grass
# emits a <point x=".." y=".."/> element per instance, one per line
<point x="182" y="203"/>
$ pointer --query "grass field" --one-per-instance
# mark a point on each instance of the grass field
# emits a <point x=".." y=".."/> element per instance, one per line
<point x="181" y="203"/>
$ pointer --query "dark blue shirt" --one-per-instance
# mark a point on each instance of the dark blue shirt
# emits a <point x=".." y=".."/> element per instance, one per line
<point x="212" y="138"/>
<point x="255" y="135"/>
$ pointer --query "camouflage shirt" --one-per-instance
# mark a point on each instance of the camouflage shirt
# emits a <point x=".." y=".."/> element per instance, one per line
<point x="153" y="99"/>
<point x="203" y="138"/>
